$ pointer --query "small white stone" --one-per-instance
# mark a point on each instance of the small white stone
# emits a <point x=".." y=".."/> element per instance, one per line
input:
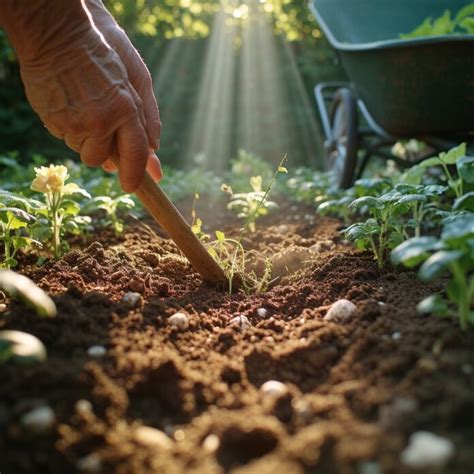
<point x="83" y="407"/>
<point x="341" y="311"/>
<point x="89" y="463"/>
<point x="274" y="388"/>
<point x="148" y="436"/>
<point x="381" y="303"/>
<point x="211" y="443"/>
<point x="39" y="420"/>
<point x="132" y="299"/>
<point x="282" y="229"/>
<point x="262" y="312"/>
<point x="427" y="450"/>
<point x="180" y="321"/>
<point x="241" y="322"/>
<point x="396" y="336"/>
<point x="97" y="351"/>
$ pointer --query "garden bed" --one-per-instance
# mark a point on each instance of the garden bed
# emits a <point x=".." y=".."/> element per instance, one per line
<point x="354" y="393"/>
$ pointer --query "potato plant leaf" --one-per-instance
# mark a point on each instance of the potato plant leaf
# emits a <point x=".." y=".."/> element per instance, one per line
<point x="438" y="263"/>
<point x="415" y="250"/>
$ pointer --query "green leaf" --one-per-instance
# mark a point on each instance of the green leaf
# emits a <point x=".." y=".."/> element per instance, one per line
<point x="412" y="198"/>
<point x="465" y="167"/>
<point x="468" y="25"/>
<point x="433" y="304"/>
<point x="414" y="251"/>
<point x="70" y="208"/>
<point x="448" y="158"/>
<point x="438" y="263"/>
<point x="220" y="236"/>
<point x="367" y="201"/>
<point x="458" y="229"/>
<point x="465" y="202"/>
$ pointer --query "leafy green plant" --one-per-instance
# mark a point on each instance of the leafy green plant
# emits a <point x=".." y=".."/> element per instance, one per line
<point x="15" y="221"/>
<point x="112" y="207"/>
<point x="459" y="183"/>
<point x="58" y="208"/>
<point x="253" y="203"/>
<point x="385" y="228"/>
<point x="462" y="23"/>
<point x="452" y="253"/>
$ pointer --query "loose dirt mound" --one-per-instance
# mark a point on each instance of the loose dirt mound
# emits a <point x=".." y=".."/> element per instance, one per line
<point x="354" y="392"/>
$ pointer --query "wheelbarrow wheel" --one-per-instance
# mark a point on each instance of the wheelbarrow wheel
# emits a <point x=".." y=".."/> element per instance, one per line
<point x="342" y="152"/>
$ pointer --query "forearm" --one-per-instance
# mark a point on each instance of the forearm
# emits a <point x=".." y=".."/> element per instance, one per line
<point x="34" y="28"/>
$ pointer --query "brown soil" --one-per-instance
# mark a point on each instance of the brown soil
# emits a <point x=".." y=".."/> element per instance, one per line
<point x="355" y="392"/>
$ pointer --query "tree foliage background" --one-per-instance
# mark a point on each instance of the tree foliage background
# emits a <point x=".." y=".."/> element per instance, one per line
<point x="154" y="26"/>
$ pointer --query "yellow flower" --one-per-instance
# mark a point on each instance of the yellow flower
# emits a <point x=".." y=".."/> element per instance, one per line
<point x="50" y="179"/>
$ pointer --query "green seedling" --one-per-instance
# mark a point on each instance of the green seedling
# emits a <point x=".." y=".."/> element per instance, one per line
<point x="251" y="205"/>
<point x="460" y="184"/>
<point x="452" y="253"/>
<point x="337" y="207"/>
<point x="58" y="209"/>
<point x="422" y="200"/>
<point x="15" y="221"/>
<point x="231" y="257"/>
<point x="112" y="207"/>
<point x="23" y="288"/>
<point x="385" y="228"/>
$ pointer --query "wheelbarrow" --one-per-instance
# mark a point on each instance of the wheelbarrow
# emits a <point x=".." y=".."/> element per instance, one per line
<point x="399" y="89"/>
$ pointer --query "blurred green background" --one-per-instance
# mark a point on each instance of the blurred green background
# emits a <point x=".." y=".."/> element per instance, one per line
<point x="227" y="75"/>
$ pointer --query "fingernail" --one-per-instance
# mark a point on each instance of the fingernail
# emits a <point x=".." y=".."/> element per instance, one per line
<point x="154" y="167"/>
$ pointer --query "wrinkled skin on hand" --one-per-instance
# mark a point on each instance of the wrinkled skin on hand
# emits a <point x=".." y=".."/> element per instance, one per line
<point x="90" y="87"/>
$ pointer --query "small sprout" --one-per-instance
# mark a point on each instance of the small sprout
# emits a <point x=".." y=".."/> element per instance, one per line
<point x="427" y="450"/>
<point x="274" y="388"/>
<point x="151" y="437"/>
<point x="241" y="322"/>
<point x="132" y="299"/>
<point x="39" y="420"/>
<point x="179" y="320"/>
<point x="96" y="351"/>
<point x="21" y="347"/>
<point x="341" y="311"/>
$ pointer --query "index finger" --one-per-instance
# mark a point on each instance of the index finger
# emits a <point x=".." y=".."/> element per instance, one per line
<point x="132" y="148"/>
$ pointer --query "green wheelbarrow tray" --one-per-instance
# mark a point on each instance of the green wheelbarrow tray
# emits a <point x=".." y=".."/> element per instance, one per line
<point x="410" y="87"/>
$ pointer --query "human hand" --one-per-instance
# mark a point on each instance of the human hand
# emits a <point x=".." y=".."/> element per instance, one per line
<point x="80" y="87"/>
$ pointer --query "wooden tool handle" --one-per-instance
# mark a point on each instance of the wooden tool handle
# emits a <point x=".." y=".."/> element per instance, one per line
<point x="171" y="220"/>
